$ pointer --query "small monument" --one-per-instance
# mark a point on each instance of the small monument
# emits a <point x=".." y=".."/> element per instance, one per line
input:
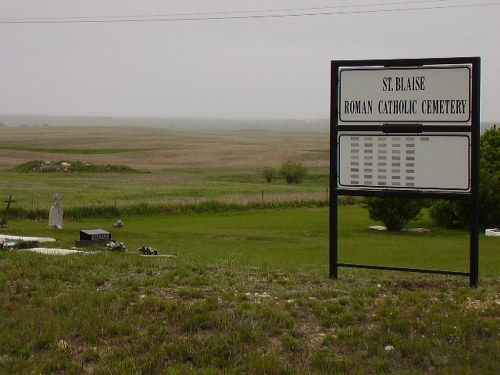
<point x="89" y="237"/>
<point x="56" y="213"/>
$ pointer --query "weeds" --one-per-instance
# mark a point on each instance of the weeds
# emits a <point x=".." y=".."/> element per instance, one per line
<point x="210" y="318"/>
<point x="244" y="295"/>
<point x="143" y="209"/>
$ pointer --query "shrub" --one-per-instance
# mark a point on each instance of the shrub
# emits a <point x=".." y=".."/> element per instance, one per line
<point x="450" y="214"/>
<point x="293" y="171"/>
<point x="395" y="213"/>
<point x="489" y="183"/>
<point x="489" y="199"/>
<point x="269" y="174"/>
<point x="455" y="214"/>
<point x="347" y="200"/>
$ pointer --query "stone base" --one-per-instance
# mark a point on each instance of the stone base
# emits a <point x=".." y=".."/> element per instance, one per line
<point x="87" y="243"/>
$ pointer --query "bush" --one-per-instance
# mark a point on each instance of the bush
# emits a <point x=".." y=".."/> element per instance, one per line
<point x="455" y="214"/>
<point x="293" y="171"/>
<point x="489" y="182"/>
<point x="450" y="214"/>
<point x="489" y="199"/>
<point x="347" y="200"/>
<point x="269" y="174"/>
<point x="395" y="213"/>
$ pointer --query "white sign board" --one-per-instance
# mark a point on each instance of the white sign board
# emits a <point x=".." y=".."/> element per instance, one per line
<point x="427" y="162"/>
<point x="401" y="95"/>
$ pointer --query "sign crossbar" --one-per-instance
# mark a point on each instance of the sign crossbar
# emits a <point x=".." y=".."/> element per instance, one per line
<point x="403" y="269"/>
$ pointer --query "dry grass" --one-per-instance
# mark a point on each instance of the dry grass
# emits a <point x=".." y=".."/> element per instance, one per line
<point x="166" y="148"/>
<point x="186" y="166"/>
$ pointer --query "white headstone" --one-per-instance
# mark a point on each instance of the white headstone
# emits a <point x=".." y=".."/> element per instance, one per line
<point x="56" y="213"/>
<point x="492" y="232"/>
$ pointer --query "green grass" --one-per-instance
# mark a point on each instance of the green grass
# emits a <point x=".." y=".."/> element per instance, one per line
<point x="248" y="293"/>
<point x="36" y="190"/>
<point x="316" y="179"/>
<point x="283" y="238"/>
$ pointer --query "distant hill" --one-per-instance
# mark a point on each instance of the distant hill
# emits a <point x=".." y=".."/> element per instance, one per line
<point x="177" y="123"/>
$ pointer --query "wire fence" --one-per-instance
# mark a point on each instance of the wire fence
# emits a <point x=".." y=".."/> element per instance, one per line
<point x="37" y="202"/>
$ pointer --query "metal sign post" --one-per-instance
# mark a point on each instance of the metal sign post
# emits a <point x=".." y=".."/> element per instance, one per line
<point x="406" y="128"/>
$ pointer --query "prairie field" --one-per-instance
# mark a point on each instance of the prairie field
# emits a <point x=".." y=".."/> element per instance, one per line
<point x="157" y="149"/>
<point x="176" y="166"/>
<point x="236" y="288"/>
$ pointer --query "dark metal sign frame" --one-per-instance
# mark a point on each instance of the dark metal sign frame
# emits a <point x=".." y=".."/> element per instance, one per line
<point x="404" y="128"/>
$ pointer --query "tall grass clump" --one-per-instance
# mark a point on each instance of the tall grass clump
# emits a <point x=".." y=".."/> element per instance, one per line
<point x="145" y="209"/>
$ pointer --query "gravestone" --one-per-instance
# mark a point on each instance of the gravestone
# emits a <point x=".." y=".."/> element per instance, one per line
<point x="90" y="237"/>
<point x="3" y="222"/>
<point x="118" y="224"/>
<point x="56" y="213"/>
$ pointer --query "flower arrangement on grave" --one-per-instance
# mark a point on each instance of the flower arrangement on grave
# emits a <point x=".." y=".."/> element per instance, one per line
<point x="147" y="250"/>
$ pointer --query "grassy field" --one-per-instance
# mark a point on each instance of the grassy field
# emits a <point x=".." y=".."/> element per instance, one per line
<point x="281" y="239"/>
<point x="234" y="292"/>
<point x="181" y="166"/>
<point x="163" y="149"/>
<point x="248" y="292"/>
<point x="36" y="190"/>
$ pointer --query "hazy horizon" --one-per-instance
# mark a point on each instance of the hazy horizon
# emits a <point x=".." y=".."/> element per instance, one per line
<point x="179" y="123"/>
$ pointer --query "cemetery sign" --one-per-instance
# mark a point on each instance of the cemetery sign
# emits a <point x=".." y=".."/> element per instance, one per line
<point x="406" y="128"/>
<point x="425" y="94"/>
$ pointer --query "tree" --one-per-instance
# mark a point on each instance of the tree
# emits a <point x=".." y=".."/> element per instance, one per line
<point x="293" y="171"/>
<point x="489" y="181"/>
<point x="395" y="213"/>
<point x="456" y="214"/>
<point x="269" y="174"/>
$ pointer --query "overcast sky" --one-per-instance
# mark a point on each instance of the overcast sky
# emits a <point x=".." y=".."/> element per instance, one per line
<point x="229" y="64"/>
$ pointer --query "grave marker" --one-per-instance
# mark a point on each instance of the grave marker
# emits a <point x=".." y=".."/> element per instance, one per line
<point x="56" y="213"/>
<point x="3" y="222"/>
<point x="90" y="237"/>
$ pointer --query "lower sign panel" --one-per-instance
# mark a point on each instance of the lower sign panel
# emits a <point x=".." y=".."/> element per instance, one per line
<point x="408" y="162"/>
